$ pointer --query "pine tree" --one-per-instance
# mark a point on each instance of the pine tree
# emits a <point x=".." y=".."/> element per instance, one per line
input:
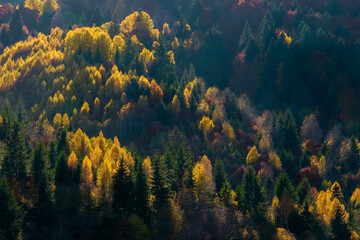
<point x="159" y="188"/>
<point x="39" y="162"/>
<point x="123" y="189"/>
<point x="11" y="214"/>
<point x="142" y="192"/>
<point x="114" y="26"/>
<point x="220" y="175"/>
<point x="52" y="154"/>
<point x="353" y="162"/>
<point x="283" y="182"/>
<point x="62" y="144"/>
<point x="5" y="36"/>
<point x="251" y="197"/>
<point x="225" y="194"/>
<point x="14" y="162"/>
<point x="62" y="172"/>
<point x="303" y="190"/>
<point x="16" y="25"/>
<point x="246" y="36"/>
<point x="266" y="31"/>
<point x="339" y="227"/>
<point x="336" y="192"/>
<point x="97" y="17"/>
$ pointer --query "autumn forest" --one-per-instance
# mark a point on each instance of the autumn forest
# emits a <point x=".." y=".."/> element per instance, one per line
<point x="180" y="119"/>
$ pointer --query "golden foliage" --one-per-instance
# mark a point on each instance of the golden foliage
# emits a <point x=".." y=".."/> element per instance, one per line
<point x="253" y="156"/>
<point x="48" y="6"/>
<point x="206" y="125"/>
<point x="354" y="236"/>
<point x="86" y="175"/>
<point x="147" y="167"/>
<point x="203" y="179"/>
<point x="228" y="131"/>
<point x="355" y="198"/>
<point x="156" y="92"/>
<point x="175" y="106"/>
<point x="283" y="234"/>
<point x="275" y="161"/>
<point x="73" y="162"/>
<point x="141" y="24"/>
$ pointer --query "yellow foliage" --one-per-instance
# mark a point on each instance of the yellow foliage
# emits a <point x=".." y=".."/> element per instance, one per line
<point x="175" y="106"/>
<point x="228" y="132"/>
<point x="86" y="175"/>
<point x="354" y="236"/>
<point x="96" y="156"/>
<point x="105" y="175"/>
<point x="73" y="162"/>
<point x="156" y="92"/>
<point x="80" y="144"/>
<point x="206" y="125"/>
<point x="188" y="44"/>
<point x="166" y="30"/>
<point x="147" y="167"/>
<point x="175" y="44"/>
<point x="275" y="161"/>
<point x="57" y="121"/>
<point x="48" y="6"/>
<point x="287" y="39"/>
<point x="283" y="234"/>
<point x="253" y="156"/>
<point x="203" y="179"/>
<point x="335" y="204"/>
<point x="141" y="24"/>
<point x="355" y="198"/>
<point x="85" y="109"/>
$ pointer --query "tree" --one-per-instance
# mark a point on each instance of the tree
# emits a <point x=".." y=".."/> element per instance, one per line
<point x="303" y="190"/>
<point x="14" y="162"/>
<point x="203" y="179"/>
<point x="246" y="36"/>
<point x="336" y="192"/>
<point x="339" y="227"/>
<point x="123" y="189"/>
<point x="86" y="176"/>
<point x="11" y="214"/>
<point x="252" y="197"/>
<point x="142" y="192"/>
<point x="283" y="182"/>
<point x="61" y="170"/>
<point x="16" y="25"/>
<point x="253" y="156"/>
<point x="266" y="31"/>
<point x="97" y="17"/>
<point x="39" y="164"/>
<point x="159" y="188"/>
<point x="220" y="175"/>
<point x="114" y="26"/>
<point x="353" y="162"/>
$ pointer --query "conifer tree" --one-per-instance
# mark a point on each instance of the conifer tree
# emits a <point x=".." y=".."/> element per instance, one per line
<point x="303" y="190"/>
<point x="266" y="31"/>
<point x="123" y="189"/>
<point x="339" y="227"/>
<point x="220" y="175"/>
<point x="159" y="188"/>
<point x="114" y="26"/>
<point x="97" y="17"/>
<point x="142" y="192"/>
<point x="16" y="25"/>
<point x="283" y="182"/>
<point x="39" y="161"/>
<point x="251" y="196"/>
<point x="11" y="214"/>
<point x="246" y="36"/>
<point x="62" y="172"/>
<point x="14" y="162"/>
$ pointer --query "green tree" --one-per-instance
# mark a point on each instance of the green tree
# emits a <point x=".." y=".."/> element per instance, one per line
<point x="220" y="175"/>
<point x="123" y="189"/>
<point x="159" y="188"/>
<point x="303" y="190"/>
<point x="16" y="25"/>
<point x="114" y="28"/>
<point x="62" y="172"/>
<point x="245" y="36"/>
<point x="11" y="214"/>
<point x="251" y="197"/>
<point x="14" y="162"/>
<point x="142" y="192"/>
<point x="339" y="227"/>
<point x="97" y="17"/>
<point x="39" y="163"/>
<point x="266" y="31"/>
<point x="283" y="182"/>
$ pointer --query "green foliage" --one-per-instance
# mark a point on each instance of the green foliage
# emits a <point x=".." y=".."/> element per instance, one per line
<point x="283" y="182"/>
<point x="11" y="214"/>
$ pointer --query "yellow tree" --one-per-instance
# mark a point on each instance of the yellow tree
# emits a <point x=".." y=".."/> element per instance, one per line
<point x="206" y="125"/>
<point x="105" y="175"/>
<point x="275" y="161"/>
<point x="228" y="132"/>
<point x="174" y="106"/>
<point x="57" y="121"/>
<point x="355" y="198"/>
<point x="253" y="156"/>
<point x="86" y="175"/>
<point x="203" y="179"/>
<point x="73" y="162"/>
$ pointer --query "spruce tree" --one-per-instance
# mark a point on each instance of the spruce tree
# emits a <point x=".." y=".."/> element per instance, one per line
<point x="39" y="161"/>
<point x="159" y="188"/>
<point x="303" y="190"/>
<point x="62" y="172"/>
<point x="123" y="189"/>
<point x="220" y="175"/>
<point x="283" y="182"/>
<point x="246" y="36"/>
<point x="97" y="17"/>
<point x="14" y="162"/>
<point x="266" y="31"/>
<point x="16" y="25"/>
<point x="114" y="26"/>
<point x="142" y="192"/>
<point x="339" y="228"/>
<point x="252" y="197"/>
<point x="11" y="214"/>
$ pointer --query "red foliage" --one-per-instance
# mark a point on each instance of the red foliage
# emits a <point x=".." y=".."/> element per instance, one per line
<point x="6" y="12"/>
<point x="31" y="17"/>
<point x="312" y="146"/>
<point x="308" y="173"/>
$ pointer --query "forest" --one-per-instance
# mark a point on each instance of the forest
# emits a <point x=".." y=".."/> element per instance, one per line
<point x="182" y="119"/>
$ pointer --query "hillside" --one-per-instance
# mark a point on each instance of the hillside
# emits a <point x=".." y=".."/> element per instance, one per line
<point x="179" y="119"/>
